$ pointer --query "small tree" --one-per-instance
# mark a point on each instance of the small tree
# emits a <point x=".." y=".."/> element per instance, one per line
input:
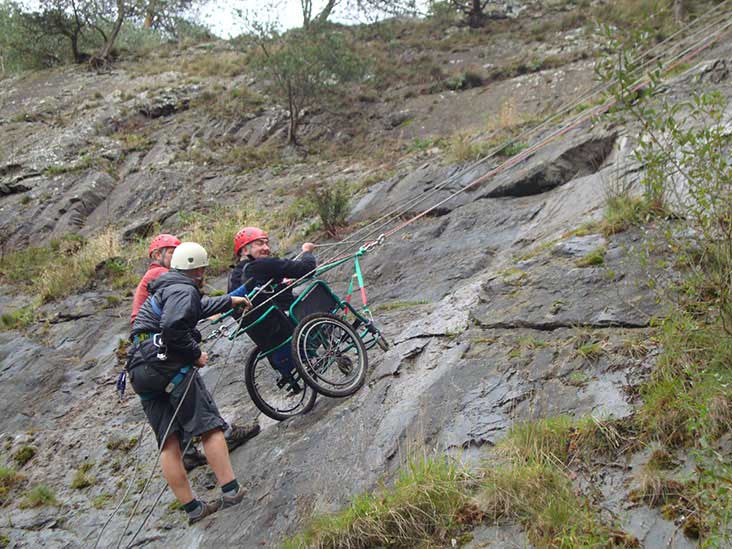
<point x="687" y="173"/>
<point x="307" y="68"/>
<point x="64" y="18"/>
<point x="119" y="17"/>
<point x="21" y="45"/>
<point x="332" y="205"/>
<point x="361" y="7"/>
<point x="473" y="10"/>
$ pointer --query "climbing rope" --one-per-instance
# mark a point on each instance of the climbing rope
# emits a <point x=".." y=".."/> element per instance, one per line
<point x="409" y="204"/>
<point x="686" y="54"/>
<point x="143" y="432"/>
<point x="188" y="444"/>
<point x="130" y="483"/>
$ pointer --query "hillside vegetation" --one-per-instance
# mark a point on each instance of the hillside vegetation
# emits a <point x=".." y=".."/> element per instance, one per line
<point x="562" y="334"/>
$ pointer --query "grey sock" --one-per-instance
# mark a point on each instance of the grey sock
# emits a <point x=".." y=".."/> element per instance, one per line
<point x="230" y="488"/>
<point x="193" y="508"/>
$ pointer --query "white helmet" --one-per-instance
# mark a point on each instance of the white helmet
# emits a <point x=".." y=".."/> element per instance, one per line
<point x="188" y="256"/>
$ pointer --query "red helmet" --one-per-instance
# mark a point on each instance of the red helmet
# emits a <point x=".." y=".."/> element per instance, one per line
<point x="162" y="241"/>
<point x="247" y="235"/>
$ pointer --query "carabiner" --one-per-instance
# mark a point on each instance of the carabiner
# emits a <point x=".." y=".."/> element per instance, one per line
<point x="377" y="242"/>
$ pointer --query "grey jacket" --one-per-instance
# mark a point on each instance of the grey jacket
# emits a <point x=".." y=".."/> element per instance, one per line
<point x="177" y="309"/>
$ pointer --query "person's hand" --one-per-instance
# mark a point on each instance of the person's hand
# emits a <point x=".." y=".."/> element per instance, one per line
<point x="214" y="318"/>
<point x="308" y="247"/>
<point x="202" y="360"/>
<point x="241" y="302"/>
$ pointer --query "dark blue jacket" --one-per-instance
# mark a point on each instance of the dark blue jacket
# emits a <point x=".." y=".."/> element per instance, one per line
<point x="254" y="273"/>
<point x="181" y="306"/>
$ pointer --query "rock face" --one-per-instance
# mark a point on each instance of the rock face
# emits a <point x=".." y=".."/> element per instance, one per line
<point x="459" y="373"/>
<point x="491" y="316"/>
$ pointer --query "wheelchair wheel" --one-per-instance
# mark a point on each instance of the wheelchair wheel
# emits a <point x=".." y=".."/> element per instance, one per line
<point x="330" y="355"/>
<point x="275" y="397"/>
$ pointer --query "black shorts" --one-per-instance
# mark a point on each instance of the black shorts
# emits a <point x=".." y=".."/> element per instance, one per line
<point x="197" y="415"/>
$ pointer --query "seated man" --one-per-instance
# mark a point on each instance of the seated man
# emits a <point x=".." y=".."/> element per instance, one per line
<point x="255" y="268"/>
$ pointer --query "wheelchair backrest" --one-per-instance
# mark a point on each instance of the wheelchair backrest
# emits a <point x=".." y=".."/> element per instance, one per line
<point x="317" y="298"/>
<point x="268" y="327"/>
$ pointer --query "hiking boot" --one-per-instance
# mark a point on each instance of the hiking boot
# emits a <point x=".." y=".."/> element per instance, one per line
<point x="239" y="434"/>
<point x="235" y="499"/>
<point x="193" y="458"/>
<point x="207" y="508"/>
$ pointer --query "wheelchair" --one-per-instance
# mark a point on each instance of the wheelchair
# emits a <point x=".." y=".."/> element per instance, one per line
<point x="318" y="346"/>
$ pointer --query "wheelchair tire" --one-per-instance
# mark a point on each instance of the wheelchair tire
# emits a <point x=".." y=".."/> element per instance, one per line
<point x="330" y="355"/>
<point x="277" y="402"/>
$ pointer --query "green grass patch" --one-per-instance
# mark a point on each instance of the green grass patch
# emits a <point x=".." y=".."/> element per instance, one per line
<point x="463" y="147"/>
<point x="9" y="479"/>
<point x="591" y="350"/>
<point x="525" y="344"/>
<point x="585" y="229"/>
<point x="624" y="211"/>
<point x="226" y="104"/>
<point x="543" y="500"/>
<point x="428" y="505"/>
<point x="17" y="319"/>
<point x="563" y="439"/>
<point x="24" y="455"/>
<point x="511" y="149"/>
<point x="122" y="444"/>
<point x="594" y="258"/>
<point x="434" y="501"/>
<point x="68" y="265"/>
<point x="423" y="144"/>
<point x="688" y="397"/>
<point x="300" y="209"/>
<point x="82" y="478"/>
<point x="399" y="305"/>
<point x="578" y="379"/>
<point x="101" y="501"/>
<point x="533" y="488"/>
<point x="39" y="496"/>
<point x="247" y="157"/>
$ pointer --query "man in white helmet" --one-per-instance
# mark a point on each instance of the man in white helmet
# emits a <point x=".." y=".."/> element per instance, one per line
<point x="162" y="365"/>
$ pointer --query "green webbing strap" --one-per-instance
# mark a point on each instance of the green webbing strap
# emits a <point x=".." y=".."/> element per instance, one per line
<point x="357" y="266"/>
<point x="359" y="276"/>
<point x="350" y="290"/>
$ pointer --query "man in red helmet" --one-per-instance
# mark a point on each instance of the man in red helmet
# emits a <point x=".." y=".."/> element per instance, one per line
<point x="161" y="251"/>
<point x="255" y="268"/>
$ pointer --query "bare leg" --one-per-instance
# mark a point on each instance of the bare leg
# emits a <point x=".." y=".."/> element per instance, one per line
<point x="171" y="461"/>
<point x="217" y="455"/>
